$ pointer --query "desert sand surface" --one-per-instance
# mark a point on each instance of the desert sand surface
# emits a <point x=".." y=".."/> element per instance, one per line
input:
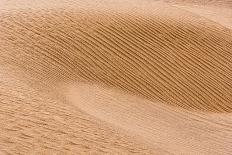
<point x="116" y="77"/>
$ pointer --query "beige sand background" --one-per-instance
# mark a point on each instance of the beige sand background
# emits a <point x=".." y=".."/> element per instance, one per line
<point x="116" y="77"/>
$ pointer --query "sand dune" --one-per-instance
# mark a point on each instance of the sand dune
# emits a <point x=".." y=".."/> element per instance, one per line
<point x="115" y="77"/>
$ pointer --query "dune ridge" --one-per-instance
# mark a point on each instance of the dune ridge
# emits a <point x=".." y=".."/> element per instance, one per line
<point x="156" y="61"/>
<point x="177" y="132"/>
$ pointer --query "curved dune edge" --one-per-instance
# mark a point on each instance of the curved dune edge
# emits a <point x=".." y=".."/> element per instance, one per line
<point x="116" y="77"/>
<point x="174" y="130"/>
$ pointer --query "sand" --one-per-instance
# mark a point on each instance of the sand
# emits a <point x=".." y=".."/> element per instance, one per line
<point x="116" y="77"/>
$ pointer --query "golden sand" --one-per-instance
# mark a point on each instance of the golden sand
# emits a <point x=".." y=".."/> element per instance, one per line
<point x="116" y="77"/>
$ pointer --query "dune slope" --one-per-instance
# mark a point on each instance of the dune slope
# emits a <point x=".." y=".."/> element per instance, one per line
<point x="116" y="77"/>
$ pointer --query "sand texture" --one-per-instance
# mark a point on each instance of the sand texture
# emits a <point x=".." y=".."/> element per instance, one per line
<point x="116" y="77"/>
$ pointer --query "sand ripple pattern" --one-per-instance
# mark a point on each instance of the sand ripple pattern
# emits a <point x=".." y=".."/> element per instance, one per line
<point x="161" y="54"/>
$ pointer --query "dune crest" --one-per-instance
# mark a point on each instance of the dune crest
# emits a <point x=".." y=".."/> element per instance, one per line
<point x="156" y="124"/>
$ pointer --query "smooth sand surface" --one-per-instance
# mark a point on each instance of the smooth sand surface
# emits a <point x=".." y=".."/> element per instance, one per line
<point x="116" y="77"/>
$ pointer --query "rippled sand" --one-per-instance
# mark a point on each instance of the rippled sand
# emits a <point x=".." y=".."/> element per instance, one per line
<point x="116" y="77"/>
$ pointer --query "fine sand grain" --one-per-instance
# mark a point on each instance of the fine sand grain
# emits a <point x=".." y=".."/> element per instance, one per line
<point x="116" y="77"/>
